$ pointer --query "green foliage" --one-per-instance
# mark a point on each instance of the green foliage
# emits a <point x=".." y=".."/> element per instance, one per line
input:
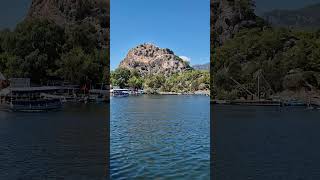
<point x="274" y="55"/>
<point x="83" y="35"/>
<point x="154" y="82"/>
<point x="120" y="77"/>
<point x="188" y="81"/>
<point x="41" y="50"/>
<point x="135" y="82"/>
<point x="78" y="67"/>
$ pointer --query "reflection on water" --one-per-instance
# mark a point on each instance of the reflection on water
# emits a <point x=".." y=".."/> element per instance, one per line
<point x="55" y="145"/>
<point x="266" y="143"/>
<point x="163" y="137"/>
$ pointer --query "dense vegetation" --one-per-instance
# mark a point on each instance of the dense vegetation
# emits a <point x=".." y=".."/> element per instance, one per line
<point x="282" y="59"/>
<point x="43" y="51"/>
<point x="265" y="59"/>
<point x="188" y="81"/>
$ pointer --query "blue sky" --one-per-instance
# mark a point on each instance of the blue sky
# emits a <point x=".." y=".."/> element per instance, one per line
<point x="12" y="12"/>
<point x="180" y="25"/>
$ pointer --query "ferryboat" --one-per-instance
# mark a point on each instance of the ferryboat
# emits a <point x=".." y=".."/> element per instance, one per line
<point x="120" y="92"/>
<point x="29" y="99"/>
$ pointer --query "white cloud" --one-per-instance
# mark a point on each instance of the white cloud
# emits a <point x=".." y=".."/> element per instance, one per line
<point x="185" y="58"/>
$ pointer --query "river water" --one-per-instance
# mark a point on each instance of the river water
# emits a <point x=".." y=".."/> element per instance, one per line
<point x="160" y="137"/>
<point x="265" y="143"/>
<point x="67" y="144"/>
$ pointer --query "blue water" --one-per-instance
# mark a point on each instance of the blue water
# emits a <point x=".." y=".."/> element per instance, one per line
<point x="67" y="144"/>
<point x="160" y="137"/>
<point x="265" y="143"/>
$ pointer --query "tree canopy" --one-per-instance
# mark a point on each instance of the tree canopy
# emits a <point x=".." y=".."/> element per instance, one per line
<point x="188" y="81"/>
<point x="41" y="50"/>
<point x="282" y="58"/>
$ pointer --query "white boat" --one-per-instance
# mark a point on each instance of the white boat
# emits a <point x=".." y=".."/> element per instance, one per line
<point x="120" y="92"/>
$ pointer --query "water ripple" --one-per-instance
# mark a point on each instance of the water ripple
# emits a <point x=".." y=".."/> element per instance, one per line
<point x="162" y="137"/>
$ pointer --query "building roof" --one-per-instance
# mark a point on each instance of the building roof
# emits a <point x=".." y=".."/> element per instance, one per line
<point x="8" y="90"/>
<point x="30" y="89"/>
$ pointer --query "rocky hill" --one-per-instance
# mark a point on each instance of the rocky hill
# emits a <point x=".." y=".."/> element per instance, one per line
<point x="68" y="12"/>
<point x="305" y="18"/>
<point x="229" y="16"/>
<point x="150" y="59"/>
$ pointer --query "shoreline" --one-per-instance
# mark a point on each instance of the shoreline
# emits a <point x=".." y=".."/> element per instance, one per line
<point x="188" y="93"/>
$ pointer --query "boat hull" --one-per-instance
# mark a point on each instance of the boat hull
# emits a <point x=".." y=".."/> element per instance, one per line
<point x="35" y="106"/>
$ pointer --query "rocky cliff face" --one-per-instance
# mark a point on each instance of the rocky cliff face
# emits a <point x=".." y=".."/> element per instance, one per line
<point x="150" y="59"/>
<point x="66" y="12"/>
<point x="228" y="17"/>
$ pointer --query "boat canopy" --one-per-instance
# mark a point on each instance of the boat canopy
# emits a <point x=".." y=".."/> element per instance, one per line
<point x="35" y="89"/>
<point x="120" y="89"/>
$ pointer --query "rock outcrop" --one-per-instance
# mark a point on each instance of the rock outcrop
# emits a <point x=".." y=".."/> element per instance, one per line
<point x="228" y="17"/>
<point x="68" y="12"/>
<point x="150" y="59"/>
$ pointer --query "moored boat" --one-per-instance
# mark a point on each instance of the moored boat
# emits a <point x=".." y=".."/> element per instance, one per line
<point x="35" y="105"/>
<point x="120" y="92"/>
<point x="29" y="99"/>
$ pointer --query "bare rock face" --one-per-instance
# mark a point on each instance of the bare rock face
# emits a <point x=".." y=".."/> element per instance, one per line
<point x="150" y="59"/>
<point x="228" y="17"/>
<point x="66" y="12"/>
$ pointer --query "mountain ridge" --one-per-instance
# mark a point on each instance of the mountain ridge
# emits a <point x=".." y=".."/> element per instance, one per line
<point x="305" y="18"/>
<point x="205" y="66"/>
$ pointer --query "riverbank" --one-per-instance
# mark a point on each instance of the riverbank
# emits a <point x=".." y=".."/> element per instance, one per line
<point x="285" y="98"/>
<point x="204" y="93"/>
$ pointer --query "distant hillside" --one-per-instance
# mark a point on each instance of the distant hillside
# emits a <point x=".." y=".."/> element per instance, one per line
<point x="205" y="67"/>
<point x="306" y="18"/>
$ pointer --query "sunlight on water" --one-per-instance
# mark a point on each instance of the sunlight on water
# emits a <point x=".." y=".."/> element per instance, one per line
<point x="163" y="137"/>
